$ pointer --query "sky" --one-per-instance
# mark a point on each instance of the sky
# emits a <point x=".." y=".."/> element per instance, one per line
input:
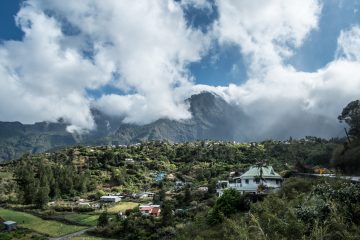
<point x="284" y="63"/>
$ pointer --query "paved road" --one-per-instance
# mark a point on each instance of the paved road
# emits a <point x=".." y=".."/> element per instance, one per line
<point x="71" y="235"/>
<point x="351" y="178"/>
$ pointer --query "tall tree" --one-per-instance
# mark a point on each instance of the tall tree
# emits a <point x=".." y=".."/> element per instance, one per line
<point x="42" y="197"/>
<point x="351" y="116"/>
<point x="167" y="214"/>
<point x="103" y="219"/>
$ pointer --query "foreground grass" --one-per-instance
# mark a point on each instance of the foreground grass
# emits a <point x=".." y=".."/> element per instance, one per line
<point x="47" y="227"/>
<point x="122" y="206"/>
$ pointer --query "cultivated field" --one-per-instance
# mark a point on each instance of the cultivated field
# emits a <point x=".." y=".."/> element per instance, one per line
<point x="88" y="219"/>
<point x="122" y="206"/>
<point x="47" y="227"/>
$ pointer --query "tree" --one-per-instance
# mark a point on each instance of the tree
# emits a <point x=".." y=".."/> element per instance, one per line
<point x="167" y="213"/>
<point x="103" y="219"/>
<point x="25" y="177"/>
<point x="187" y="195"/>
<point x="346" y="157"/>
<point x="230" y="202"/>
<point x="351" y="116"/>
<point x="42" y="197"/>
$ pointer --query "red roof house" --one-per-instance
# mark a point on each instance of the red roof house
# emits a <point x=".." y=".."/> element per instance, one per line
<point x="150" y="210"/>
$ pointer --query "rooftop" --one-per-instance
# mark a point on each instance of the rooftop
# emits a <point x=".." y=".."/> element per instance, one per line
<point x="267" y="172"/>
<point x="9" y="222"/>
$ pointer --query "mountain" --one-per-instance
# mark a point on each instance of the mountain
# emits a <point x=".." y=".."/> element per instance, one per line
<point x="212" y="118"/>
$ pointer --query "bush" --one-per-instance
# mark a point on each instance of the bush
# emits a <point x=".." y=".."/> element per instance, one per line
<point x="229" y="203"/>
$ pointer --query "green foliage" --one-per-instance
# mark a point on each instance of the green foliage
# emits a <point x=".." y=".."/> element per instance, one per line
<point x="36" y="224"/>
<point x="351" y="115"/>
<point x="40" y="180"/>
<point x="42" y="197"/>
<point x="167" y="213"/>
<point x="346" y="157"/>
<point x="228" y="204"/>
<point x="302" y="209"/>
<point x="103" y="219"/>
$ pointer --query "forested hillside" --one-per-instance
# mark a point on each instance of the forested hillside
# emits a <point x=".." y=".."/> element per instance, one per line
<point x="64" y="176"/>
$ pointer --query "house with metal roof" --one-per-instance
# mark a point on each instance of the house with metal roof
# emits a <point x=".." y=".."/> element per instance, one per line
<point x="110" y="198"/>
<point x="255" y="180"/>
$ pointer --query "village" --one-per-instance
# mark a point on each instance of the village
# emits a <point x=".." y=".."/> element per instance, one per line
<point x="147" y="184"/>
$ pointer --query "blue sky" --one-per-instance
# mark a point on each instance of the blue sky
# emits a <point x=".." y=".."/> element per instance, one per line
<point x="320" y="47"/>
<point x="275" y="59"/>
<point x="8" y="28"/>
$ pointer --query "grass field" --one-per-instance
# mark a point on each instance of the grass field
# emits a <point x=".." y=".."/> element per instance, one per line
<point x="51" y="228"/>
<point x="122" y="206"/>
<point x="88" y="219"/>
<point x="87" y="237"/>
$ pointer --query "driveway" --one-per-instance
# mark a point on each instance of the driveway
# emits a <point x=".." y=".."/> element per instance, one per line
<point x="71" y="235"/>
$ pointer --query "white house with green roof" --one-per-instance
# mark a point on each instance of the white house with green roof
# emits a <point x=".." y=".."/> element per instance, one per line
<point x="249" y="181"/>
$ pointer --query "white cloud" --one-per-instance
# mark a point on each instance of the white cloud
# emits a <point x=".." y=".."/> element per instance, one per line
<point x="281" y="100"/>
<point x="349" y="44"/>
<point x="266" y="30"/>
<point x="43" y="79"/>
<point x="144" y="48"/>
<point x="147" y="44"/>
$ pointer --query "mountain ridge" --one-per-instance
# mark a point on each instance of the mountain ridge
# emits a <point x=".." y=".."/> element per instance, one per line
<point x="212" y="118"/>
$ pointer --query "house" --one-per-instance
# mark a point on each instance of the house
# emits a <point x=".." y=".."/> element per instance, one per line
<point x="150" y="210"/>
<point x="145" y="195"/>
<point x="84" y="204"/>
<point x="160" y="176"/>
<point x="10" y="225"/>
<point x="110" y="199"/>
<point x="129" y="161"/>
<point x="170" y="177"/>
<point x="250" y="181"/>
<point x="203" y="189"/>
<point x="179" y="184"/>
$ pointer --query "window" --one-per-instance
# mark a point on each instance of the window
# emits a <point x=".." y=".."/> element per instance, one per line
<point x="247" y="181"/>
<point x="277" y="182"/>
<point x="257" y="180"/>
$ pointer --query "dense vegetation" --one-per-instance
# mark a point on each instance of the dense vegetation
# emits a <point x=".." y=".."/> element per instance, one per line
<point x="304" y="208"/>
<point x="90" y="172"/>
<point x="84" y="170"/>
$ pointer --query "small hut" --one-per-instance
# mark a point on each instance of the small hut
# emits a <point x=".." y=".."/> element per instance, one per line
<point x="10" y="225"/>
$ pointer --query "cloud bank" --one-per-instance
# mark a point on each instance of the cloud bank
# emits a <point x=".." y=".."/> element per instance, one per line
<point x="144" y="48"/>
<point x="282" y="100"/>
